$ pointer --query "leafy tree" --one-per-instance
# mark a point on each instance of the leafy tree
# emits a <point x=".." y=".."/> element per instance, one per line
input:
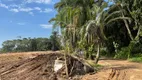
<point x="55" y="41"/>
<point x="8" y="46"/>
<point x="35" y="44"/>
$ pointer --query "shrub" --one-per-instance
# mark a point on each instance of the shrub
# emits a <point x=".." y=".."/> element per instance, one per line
<point x="124" y="53"/>
<point x="134" y="48"/>
<point x="136" y="59"/>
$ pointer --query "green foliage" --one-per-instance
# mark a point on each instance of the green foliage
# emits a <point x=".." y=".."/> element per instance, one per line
<point x="136" y="59"/>
<point x="90" y="24"/>
<point x="133" y="49"/>
<point x="55" y="41"/>
<point x="91" y="52"/>
<point x="124" y="53"/>
<point x="136" y="49"/>
<point x="35" y="44"/>
<point x="105" y="53"/>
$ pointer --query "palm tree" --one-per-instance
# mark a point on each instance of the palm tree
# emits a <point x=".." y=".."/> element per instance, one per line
<point x="71" y="16"/>
<point x="133" y="10"/>
<point x="87" y="17"/>
<point x="93" y="31"/>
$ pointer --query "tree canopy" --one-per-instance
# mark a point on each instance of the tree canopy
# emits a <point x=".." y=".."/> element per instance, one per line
<point x="32" y="44"/>
<point x="94" y="26"/>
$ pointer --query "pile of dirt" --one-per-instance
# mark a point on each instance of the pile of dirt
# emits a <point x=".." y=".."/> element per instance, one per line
<point x="42" y="68"/>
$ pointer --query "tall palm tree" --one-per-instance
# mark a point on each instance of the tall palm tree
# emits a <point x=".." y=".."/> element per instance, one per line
<point x="93" y="31"/>
<point x="88" y="17"/>
<point x="71" y="15"/>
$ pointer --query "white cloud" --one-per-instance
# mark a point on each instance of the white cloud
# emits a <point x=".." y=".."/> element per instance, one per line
<point x="14" y="5"/>
<point x="3" y="5"/>
<point x="25" y="9"/>
<point x="37" y="8"/>
<point x="31" y="13"/>
<point x="46" y="26"/>
<point x="10" y="0"/>
<point x="22" y="7"/>
<point x="14" y="10"/>
<point x="38" y="1"/>
<point x="21" y="23"/>
<point x="29" y="10"/>
<point x="47" y="10"/>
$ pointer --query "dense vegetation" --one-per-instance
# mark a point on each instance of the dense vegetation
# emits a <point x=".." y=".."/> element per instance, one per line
<point x="35" y="44"/>
<point x="112" y="28"/>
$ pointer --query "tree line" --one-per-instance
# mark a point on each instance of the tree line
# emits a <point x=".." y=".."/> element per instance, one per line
<point x="97" y="27"/>
<point x="32" y="44"/>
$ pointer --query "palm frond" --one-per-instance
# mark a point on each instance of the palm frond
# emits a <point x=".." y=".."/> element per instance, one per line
<point x="118" y="18"/>
<point x="113" y="13"/>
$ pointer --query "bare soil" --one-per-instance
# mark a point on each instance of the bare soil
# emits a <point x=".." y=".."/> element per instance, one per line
<point x="117" y="70"/>
<point x="12" y="57"/>
<point x="39" y="66"/>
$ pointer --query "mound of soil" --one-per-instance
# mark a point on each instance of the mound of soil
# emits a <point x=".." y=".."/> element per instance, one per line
<point x="42" y="68"/>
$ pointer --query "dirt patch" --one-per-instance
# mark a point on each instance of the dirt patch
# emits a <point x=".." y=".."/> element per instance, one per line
<point x="12" y="57"/>
<point x="117" y="70"/>
<point x="41" y="68"/>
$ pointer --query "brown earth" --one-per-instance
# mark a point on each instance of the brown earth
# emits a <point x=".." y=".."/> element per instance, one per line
<point x="12" y="57"/>
<point x="41" y="67"/>
<point x="27" y="66"/>
<point x="117" y="70"/>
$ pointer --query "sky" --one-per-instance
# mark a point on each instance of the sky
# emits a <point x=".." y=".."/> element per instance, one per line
<point x="25" y="18"/>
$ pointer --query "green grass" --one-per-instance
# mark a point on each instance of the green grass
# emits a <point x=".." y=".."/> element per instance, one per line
<point x="136" y="59"/>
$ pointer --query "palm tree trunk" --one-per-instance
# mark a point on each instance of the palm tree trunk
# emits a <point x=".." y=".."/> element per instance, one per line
<point x="66" y="65"/>
<point x="98" y="54"/>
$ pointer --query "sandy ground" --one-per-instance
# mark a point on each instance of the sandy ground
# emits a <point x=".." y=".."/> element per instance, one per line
<point x="117" y="70"/>
<point x="10" y="57"/>
<point x="113" y="69"/>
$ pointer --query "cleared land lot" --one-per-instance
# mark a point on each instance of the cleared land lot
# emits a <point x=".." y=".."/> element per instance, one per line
<point x="113" y="69"/>
<point x="9" y="57"/>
